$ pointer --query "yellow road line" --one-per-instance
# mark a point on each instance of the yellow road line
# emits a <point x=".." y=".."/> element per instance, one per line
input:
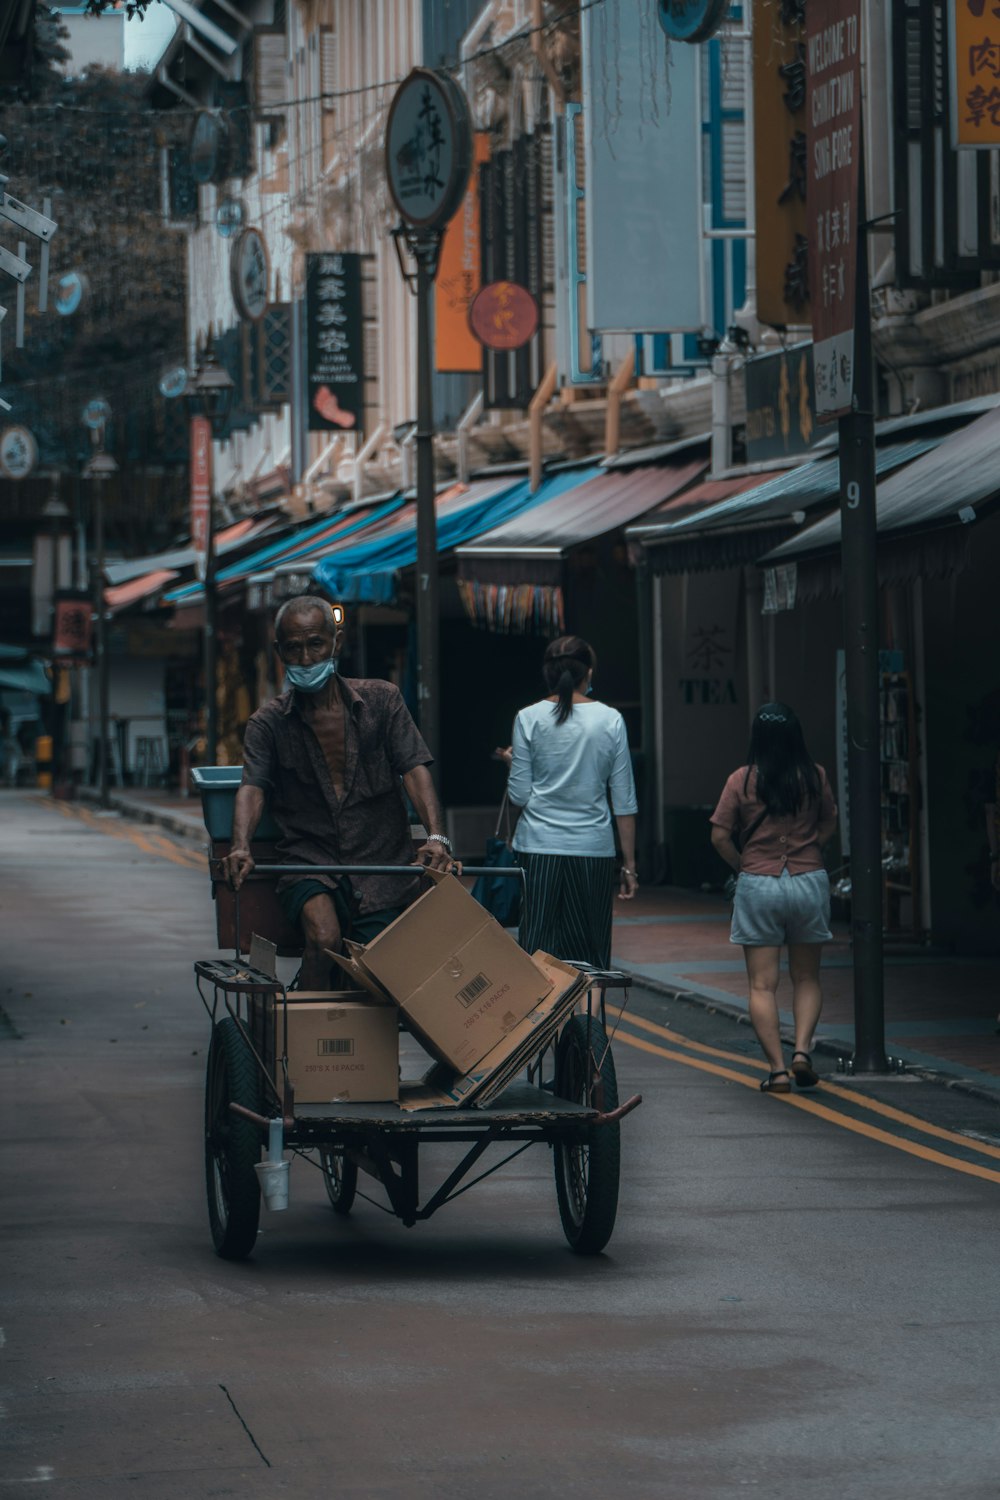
<point x="874" y="1106"/>
<point x="149" y="841"/>
<point x="170" y="850"/>
<point x="821" y="1111"/>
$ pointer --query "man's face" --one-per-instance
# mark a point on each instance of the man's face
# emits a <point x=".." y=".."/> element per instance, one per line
<point x="306" y="637"/>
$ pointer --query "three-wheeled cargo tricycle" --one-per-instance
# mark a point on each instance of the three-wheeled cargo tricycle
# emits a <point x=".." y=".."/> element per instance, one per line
<point x="567" y="1098"/>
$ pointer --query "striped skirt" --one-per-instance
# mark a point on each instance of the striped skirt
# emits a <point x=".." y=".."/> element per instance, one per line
<point x="568" y="902"/>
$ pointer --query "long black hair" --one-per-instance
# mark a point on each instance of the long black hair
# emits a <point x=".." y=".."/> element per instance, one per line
<point x="786" y="773"/>
<point x="565" y="666"/>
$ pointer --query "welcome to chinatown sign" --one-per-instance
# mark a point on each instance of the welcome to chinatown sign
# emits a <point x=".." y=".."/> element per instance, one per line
<point x="833" y="154"/>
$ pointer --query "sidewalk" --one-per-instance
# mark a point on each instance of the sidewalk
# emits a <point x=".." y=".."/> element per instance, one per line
<point x="941" y="1011"/>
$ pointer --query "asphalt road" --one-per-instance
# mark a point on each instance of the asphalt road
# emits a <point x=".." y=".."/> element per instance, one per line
<point x="785" y="1304"/>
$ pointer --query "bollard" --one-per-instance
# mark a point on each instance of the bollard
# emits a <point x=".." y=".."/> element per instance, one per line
<point x="43" y="762"/>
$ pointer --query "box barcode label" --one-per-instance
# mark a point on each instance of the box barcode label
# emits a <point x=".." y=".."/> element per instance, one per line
<point x="472" y="990"/>
<point x="335" y="1046"/>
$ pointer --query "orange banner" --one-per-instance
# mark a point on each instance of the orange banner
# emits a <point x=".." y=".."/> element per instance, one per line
<point x="975" y="51"/>
<point x="458" y="278"/>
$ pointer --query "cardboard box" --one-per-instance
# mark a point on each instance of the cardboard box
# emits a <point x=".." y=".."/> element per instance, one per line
<point x="460" y="980"/>
<point x="443" y="1089"/>
<point x="341" y="1049"/>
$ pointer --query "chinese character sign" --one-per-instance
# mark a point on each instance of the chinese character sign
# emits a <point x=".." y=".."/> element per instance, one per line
<point x="833" y="104"/>
<point x="779" y="95"/>
<point x="72" y="629"/>
<point x="334" y="342"/>
<point x="780" y="404"/>
<point x="974" y="45"/>
<point x="201" y="485"/>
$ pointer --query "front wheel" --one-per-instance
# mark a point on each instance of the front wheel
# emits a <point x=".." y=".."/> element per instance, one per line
<point x="340" y="1178"/>
<point x="232" y="1143"/>
<point x="588" y="1170"/>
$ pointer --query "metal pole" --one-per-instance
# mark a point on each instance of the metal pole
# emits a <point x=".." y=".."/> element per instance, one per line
<point x="102" y="645"/>
<point x="211" y="622"/>
<point x="428" y="654"/>
<point x="861" y="640"/>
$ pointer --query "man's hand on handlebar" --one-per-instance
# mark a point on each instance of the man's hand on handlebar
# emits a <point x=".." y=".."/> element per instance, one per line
<point x="434" y="856"/>
<point x="238" y="864"/>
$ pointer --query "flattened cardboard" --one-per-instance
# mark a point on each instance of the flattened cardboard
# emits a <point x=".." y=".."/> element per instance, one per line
<point x="443" y="1089"/>
<point x="341" y="1049"/>
<point x="461" y="981"/>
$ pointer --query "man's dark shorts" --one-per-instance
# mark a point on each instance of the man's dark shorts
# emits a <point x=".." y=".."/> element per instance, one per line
<point x="359" y="928"/>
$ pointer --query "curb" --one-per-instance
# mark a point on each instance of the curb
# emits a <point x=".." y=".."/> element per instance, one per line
<point x="828" y="1047"/>
<point x="138" y="813"/>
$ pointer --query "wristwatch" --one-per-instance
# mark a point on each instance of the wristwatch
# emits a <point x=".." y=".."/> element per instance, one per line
<point x="439" y="838"/>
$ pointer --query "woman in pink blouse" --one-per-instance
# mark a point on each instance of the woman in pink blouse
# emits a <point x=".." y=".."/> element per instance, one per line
<point x="780" y="808"/>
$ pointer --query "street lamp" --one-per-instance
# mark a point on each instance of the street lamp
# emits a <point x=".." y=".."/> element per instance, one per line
<point x="101" y="468"/>
<point x="209" y="400"/>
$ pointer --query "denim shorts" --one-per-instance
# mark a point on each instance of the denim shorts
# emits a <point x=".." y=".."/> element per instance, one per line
<point x="772" y="910"/>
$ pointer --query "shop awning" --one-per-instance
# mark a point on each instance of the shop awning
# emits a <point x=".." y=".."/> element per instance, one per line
<point x="697" y="499"/>
<point x="530" y="546"/>
<point x="226" y="538"/>
<point x="367" y="573"/>
<point x="303" y="543"/>
<point x="945" y="487"/>
<point x="124" y="594"/>
<point x="25" y="676"/>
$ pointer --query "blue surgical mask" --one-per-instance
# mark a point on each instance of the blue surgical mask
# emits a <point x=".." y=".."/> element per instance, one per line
<point x="310" y="679"/>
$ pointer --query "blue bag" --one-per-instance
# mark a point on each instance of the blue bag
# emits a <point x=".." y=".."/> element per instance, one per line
<point x="500" y="896"/>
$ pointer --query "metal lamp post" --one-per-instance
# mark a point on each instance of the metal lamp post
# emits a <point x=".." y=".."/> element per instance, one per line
<point x="210" y="396"/>
<point x="101" y="468"/>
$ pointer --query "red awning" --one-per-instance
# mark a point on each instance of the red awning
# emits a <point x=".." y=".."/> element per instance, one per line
<point x="710" y="493"/>
<point x="124" y="594"/>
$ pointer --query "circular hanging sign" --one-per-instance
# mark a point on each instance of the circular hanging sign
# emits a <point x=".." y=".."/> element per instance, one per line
<point x="230" y="217"/>
<point x="70" y="292"/>
<point x="18" y="452"/>
<point x="428" y="148"/>
<point x="503" y="315"/>
<point x="173" y="382"/>
<point x="208" y="147"/>
<point x="250" y="274"/>
<point x="96" y="414"/>
<point x="691" y="20"/>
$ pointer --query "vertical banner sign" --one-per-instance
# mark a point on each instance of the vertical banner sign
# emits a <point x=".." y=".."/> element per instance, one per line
<point x="779" y="145"/>
<point x="459" y="278"/>
<point x="201" y="487"/>
<point x="335" y="367"/>
<point x="974" y="45"/>
<point x="833" y="65"/>
<point x="72" y="628"/>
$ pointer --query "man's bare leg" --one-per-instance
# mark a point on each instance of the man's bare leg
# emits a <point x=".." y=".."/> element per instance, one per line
<point x="321" y="928"/>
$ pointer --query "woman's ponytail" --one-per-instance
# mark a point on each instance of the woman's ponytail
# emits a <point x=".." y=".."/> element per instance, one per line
<point x="567" y="664"/>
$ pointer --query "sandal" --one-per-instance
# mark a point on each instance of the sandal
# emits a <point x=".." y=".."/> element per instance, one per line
<point x="776" y="1083"/>
<point x="804" y="1073"/>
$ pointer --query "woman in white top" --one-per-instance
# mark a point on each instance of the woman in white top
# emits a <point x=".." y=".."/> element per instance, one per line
<point x="569" y="770"/>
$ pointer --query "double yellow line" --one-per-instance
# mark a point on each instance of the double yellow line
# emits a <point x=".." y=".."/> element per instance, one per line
<point x="698" y="1055"/>
<point x="145" y="839"/>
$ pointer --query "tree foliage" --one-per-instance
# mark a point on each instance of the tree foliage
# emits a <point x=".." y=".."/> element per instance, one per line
<point x="90" y="147"/>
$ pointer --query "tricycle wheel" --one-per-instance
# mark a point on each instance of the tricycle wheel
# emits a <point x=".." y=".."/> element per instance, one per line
<point x="587" y="1170"/>
<point x="232" y="1144"/>
<point x="340" y="1177"/>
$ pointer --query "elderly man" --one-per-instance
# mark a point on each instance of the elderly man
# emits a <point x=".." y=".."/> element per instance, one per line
<point x="331" y="756"/>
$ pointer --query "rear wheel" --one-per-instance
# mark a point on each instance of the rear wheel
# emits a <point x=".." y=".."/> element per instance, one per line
<point x="232" y="1143"/>
<point x="587" y="1170"/>
<point x="340" y="1177"/>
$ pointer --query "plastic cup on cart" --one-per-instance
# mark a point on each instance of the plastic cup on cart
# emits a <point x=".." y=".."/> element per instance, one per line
<point x="273" y="1179"/>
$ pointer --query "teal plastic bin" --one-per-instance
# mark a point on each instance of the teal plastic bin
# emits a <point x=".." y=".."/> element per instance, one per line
<point x="217" y="787"/>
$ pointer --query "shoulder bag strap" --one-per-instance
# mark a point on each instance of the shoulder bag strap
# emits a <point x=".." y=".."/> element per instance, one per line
<point x="503" y="819"/>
